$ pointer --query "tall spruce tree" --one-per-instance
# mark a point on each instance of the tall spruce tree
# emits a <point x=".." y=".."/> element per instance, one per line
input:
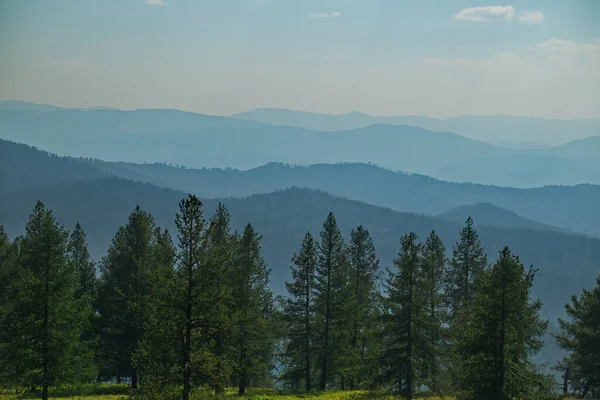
<point x="8" y="253"/>
<point x="467" y="265"/>
<point x="432" y="270"/>
<point x="191" y="228"/>
<point x="362" y="307"/>
<point x="159" y="354"/>
<point x="253" y="305"/>
<point x="219" y="360"/>
<point x="331" y="296"/>
<point x="79" y="257"/>
<point x="503" y="332"/>
<point x="298" y="314"/>
<point x="406" y="318"/>
<point x="580" y="336"/>
<point x="124" y="293"/>
<point x="46" y="317"/>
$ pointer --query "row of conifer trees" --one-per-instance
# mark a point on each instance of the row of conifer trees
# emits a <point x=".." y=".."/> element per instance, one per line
<point x="168" y="315"/>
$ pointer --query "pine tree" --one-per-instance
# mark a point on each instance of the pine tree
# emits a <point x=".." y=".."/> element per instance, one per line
<point x="124" y="293"/>
<point x="298" y="314"/>
<point x="580" y="336"/>
<point x="364" y="275"/>
<point x="220" y="250"/>
<point x="468" y="263"/>
<point x="503" y="332"/>
<point x="46" y="315"/>
<point x="253" y="302"/>
<point x="191" y="228"/>
<point x="432" y="270"/>
<point x="79" y="257"/>
<point x="405" y="318"/>
<point x="8" y="253"/>
<point x="158" y="357"/>
<point x="331" y="295"/>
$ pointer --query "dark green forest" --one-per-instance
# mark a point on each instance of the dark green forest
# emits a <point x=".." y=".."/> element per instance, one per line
<point x="171" y="311"/>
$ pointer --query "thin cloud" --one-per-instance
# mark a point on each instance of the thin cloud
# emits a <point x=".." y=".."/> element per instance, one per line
<point x="487" y="13"/>
<point x="531" y="17"/>
<point x="321" y="14"/>
<point x="155" y="2"/>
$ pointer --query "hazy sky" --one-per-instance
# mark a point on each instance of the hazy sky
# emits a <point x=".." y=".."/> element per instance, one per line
<point x="384" y="57"/>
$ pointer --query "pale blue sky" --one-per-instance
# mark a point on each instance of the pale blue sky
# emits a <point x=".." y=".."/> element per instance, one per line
<point x="387" y="57"/>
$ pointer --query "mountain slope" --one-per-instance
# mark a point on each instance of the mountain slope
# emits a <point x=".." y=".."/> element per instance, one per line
<point x="200" y="140"/>
<point x="489" y="128"/>
<point x="574" y="208"/>
<point x="490" y="215"/>
<point x="570" y="207"/>
<point x="24" y="167"/>
<point x="524" y="170"/>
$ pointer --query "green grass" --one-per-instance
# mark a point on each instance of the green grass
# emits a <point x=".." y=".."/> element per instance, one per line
<point x="122" y="392"/>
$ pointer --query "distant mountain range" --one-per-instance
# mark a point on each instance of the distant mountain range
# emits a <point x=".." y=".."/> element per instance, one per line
<point x="573" y="208"/>
<point x="211" y="141"/>
<point x="516" y="132"/>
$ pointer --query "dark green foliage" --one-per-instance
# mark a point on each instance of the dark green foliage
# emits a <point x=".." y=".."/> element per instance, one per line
<point x="362" y="307"/>
<point x="468" y="263"/>
<point x="253" y="304"/>
<point x="218" y="359"/>
<point x="502" y="331"/>
<point x="433" y="265"/>
<point x="125" y="289"/>
<point x="299" y="316"/>
<point x="79" y="256"/>
<point x="8" y="256"/>
<point x="45" y="315"/>
<point x="580" y="336"/>
<point x="332" y="294"/>
<point x="405" y="319"/>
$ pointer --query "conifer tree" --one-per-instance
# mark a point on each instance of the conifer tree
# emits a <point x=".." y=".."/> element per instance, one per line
<point x="46" y="317"/>
<point x="221" y="244"/>
<point x="432" y="270"/>
<point x="8" y="252"/>
<point x="580" y="336"/>
<point x="467" y="265"/>
<point x="158" y="357"/>
<point x="503" y="332"/>
<point x="124" y="293"/>
<point x="79" y="257"/>
<point x="331" y="296"/>
<point x="253" y="304"/>
<point x="364" y="273"/>
<point x="298" y="314"/>
<point x="405" y="318"/>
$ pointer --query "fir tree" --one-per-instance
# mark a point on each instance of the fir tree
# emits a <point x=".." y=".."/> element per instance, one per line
<point x="468" y="263"/>
<point x="298" y="314"/>
<point x="433" y="265"/>
<point x="332" y="293"/>
<point x="191" y="228"/>
<point x="503" y="332"/>
<point x="124" y="293"/>
<point x="364" y="274"/>
<point x="580" y="336"/>
<point x="46" y="317"/>
<point x="221" y="243"/>
<point x="8" y="253"/>
<point x="253" y="302"/>
<point x="405" y="318"/>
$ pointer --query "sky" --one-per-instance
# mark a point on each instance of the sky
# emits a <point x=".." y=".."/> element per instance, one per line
<point x="382" y="57"/>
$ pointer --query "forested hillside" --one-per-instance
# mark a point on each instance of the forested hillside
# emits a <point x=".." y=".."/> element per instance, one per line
<point x="572" y="208"/>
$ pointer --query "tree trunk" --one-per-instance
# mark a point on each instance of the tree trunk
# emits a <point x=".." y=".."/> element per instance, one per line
<point x="45" y="392"/>
<point x="134" y="378"/>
